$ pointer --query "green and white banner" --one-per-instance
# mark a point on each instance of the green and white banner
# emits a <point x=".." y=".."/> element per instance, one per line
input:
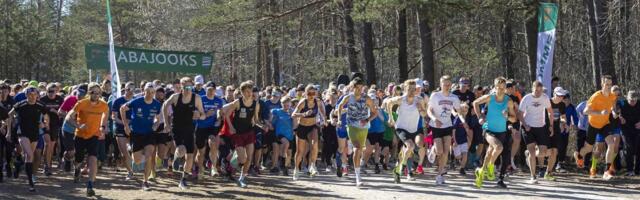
<point x="547" y="18"/>
<point x="148" y="60"/>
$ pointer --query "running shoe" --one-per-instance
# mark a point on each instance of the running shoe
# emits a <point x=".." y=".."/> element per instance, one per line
<point x="410" y="177"/>
<point x="419" y="170"/>
<point x="490" y="173"/>
<point x="129" y="176"/>
<point x="183" y="184"/>
<point x="152" y="175"/>
<point x="274" y="170"/>
<point x="593" y="172"/>
<point x="608" y="175"/>
<point x="90" y="192"/>
<point x="47" y="171"/>
<point x="462" y="171"/>
<point x="396" y="176"/>
<point x="533" y="181"/>
<point x="549" y="177"/>
<point x="358" y="181"/>
<point x="241" y="182"/>
<point x="579" y="161"/>
<point x="145" y="186"/>
<point x="630" y="174"/>
<point x="313" y="171"/>
<point x="285" y="171"/>
<point x="214" y="171"/>
<point x="513" y="165"/>
<point x="377" y="169"/>
<point x="501" y="184"/>
<point x="440" y="180"/>
<point x="295" y="174"/>
<point x="177" y="162"/>
<point x="328" y="169"/>
<point x="560" y="169"/>
<point x="479" y="177"/>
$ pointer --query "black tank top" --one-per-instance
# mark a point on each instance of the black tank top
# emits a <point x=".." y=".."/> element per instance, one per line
<point x="183" y="113"/>
<point x="306" y="108"/>
<point x="242" y="118"/>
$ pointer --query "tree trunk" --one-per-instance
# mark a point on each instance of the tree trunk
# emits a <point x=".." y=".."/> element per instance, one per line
<point x="426" y="48"/>
<point x="507" y="46"/>
<point x="605" y="47"/>
<point x="352" y="55"/>
<point x="402" y="45"/>
<point x="267" y="67"/>
<point x="257" y="76"/>
<point x="367" y="51"/>
<point x="276" y="66"/>
<point x="595" y="58"/>
<point x="625" y="46"/>
<point x="531" y="26"/>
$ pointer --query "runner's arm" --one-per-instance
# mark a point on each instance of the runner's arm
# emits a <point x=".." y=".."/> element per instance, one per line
<point x="165" y="109"/>
<point x="372" y="109"/>
<point x="476" y="105"/>
<point x="512" y="114"/>
<point x="200" y="109"/>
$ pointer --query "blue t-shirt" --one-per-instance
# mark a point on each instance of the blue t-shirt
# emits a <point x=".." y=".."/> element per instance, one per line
<point x="377" y="124"/>
<point x="115" y="107"/>
<point x="461" y="133"/>
<point x="20" y="96"/>
<point x="283" y="123"/>
<point x="200" y="92"/>
<point x="571" y="114"/>
<point x="583" y="120"/>
<point x="214" y="104"/>
<point x="142" y="115"/>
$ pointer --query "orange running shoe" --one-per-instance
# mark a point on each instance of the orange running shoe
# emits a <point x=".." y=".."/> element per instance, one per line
<point x="579" y="161"/>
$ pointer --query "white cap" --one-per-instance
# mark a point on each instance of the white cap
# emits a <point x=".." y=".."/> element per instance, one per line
<point x="419" y="83"/>
<point x="199" y="79"/>
<point x="559" y="91"/>
<point x="220" y="91"/>
<point x="149" y="85"/>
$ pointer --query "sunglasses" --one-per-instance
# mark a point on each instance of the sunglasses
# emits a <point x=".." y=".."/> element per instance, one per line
<point x="51" y="91"/>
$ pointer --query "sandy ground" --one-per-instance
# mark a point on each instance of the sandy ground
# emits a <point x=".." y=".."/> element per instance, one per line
<point x="111" y="185"/>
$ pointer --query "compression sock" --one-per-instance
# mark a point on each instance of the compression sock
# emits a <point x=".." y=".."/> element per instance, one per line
<point x="29" y="170"/>
<point x="594" y="163"/>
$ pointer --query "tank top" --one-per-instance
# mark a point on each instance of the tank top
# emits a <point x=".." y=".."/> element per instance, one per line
<point x="496" y="121"/>
<point x="242" y="118"/>
<point x="314" y="109"/>
<point x="357" y="110"/>
<point x="408" y="116"/>
<point x="183" y="112"/>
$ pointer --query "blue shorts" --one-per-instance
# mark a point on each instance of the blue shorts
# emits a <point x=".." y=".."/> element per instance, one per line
<point x="600" y="138"/>
<point x="342" y="133"/>
<point x="40" y="144"/>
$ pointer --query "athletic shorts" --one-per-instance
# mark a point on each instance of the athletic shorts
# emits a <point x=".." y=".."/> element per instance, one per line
<point x="279" y="139"/>
<point x="140" y="141"/>
<point x="539" y="135"/>
<point x="405" y="135"/>
<point x="556" y="138"/>
<point x="478" y="137"/>
<point x="40" y="144"/>
<point x="441" y="132"/>
<point x="342" y="133"/>
<point x="270" y="138"/>
<point x="358" y="135"/>
<point x="243" y="139"/>
<point x="459" y="149"/>
<point x="202" y="136"/>
<point x="184" y="137"/>
<point x="385" y="143"/>
<point x="303" y="131"/>
<point x="600" y="138"/>
<point x="33" y="137"/>
<point x="88" y="146"/>
<point x="514" y="126"/>
<point x="68" y="141"/>
<point x="53" y="133"/>
<point x="593" y="132"/>
<point x="375" y="138"/>
<point x="260" y="136"/>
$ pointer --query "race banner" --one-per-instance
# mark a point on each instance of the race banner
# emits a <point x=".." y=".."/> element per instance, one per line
<point x="113" y="67"/>
<point x="148" y="60"/>
<point x="547" y="18"/>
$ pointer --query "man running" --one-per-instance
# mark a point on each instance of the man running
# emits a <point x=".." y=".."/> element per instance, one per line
<point x="499" y="110"/>
<point x="121" y="138"/>
<point x="52" y="102"/>
<point x="91" y="116"/>
<point x="442" y="106"/>
<point x="145" y="117"/>
<point x="30" y="114"/>
<point x="598" y="109"/>
<point x="410" y="108"/>
<point x="360" y="111"/>
<point x="207" y="133"/>
<point x="245" y="118"/>
<point x="630" y="119"/>
<point x="532" y="117"/>
<point x="187" y="107"/>
<point x="283" y="124"/>
<point x="559" y="125"/>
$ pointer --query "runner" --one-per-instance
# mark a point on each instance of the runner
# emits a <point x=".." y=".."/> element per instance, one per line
<point x="283" y="124"/>
<point x="514" y="127"/>
<point x="409" y="111"/>
<point x="145" y="118"/>
<point x="630" y="119"/>
<point x="69" y="126"/>
<point x="163" y="140"/>
<point x="187" y="107"/>
<point x="559" y="125"/>
<point x="360" y="111"/>
<point x="306" y="113"/>
<point x="261" y="133"/>
<point x="499" y="110"/>
<point x="442" y="107"/>
<point x="32" y="116"/>
<point x="329" y="133"/>
<point x="341" y="133"/>
<point x="462" y="136"/>
<point x="271" y="104"/>
<point x="52" y="102"/>
<point x="532" y="117"/>
<point x="376" y="132"/>
<point x="598" y="109"/>
<point x="91" y="116"/>
<point x="245" y="118"/>
<point x="5" y="107"/>
<point x="121" y="138"/>
<point x="207" y="133"/>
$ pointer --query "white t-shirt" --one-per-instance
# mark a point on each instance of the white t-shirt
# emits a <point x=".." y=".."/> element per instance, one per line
<point x="534" y="109"/>
<point x="442" y="108"/>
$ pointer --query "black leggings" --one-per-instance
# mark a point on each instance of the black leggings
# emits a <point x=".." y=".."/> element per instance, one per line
<point x="505" y="156"/>
<point x="632" y="146"/>
<point x="330" y="145"/>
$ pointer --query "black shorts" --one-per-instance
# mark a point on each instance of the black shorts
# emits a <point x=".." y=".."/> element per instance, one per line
<point x="140" y="141"/>
<point x="120" y="133"/>
<point x="68" y="141"/>
<point x="592" y="132"/>
<point x="291" y="143"/>
<point x="184" y="136"/>
<point x="270" y="138"/>
<point x="384" y="143"/>
<point x="53" y="133"/>
<point x="441" y="132"/>
<point x="31" y="136"/>
<point x="375" y="138"/>
<point x="556" y="138"/>
<point x="478" y="137"/>
<point x="539" y="136"/>
<point x="405" y="135"/>
<point x="88" y="146"/>
<point x="303" y="132"/>
<point x="514" y="126"/>
<point x="202" y="136"/>
<point x="260" y="136"/>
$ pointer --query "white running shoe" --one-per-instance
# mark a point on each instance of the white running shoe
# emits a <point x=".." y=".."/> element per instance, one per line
<point x="295" y="174"/>
<point x="533" y="181"/>
<point x="439" y="180"/>
<point x="214" y="172"/>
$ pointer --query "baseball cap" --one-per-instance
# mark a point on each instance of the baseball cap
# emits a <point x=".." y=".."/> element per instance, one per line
<point x="199" y="79"/>
<point x="633" y="95"/>
<point x="149" y="85"/>
<point x="560" y="91"/>
<point x="419" y="83"/>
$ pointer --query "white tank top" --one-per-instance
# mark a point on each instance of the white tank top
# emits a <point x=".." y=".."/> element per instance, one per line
<point x="408" y="116"/>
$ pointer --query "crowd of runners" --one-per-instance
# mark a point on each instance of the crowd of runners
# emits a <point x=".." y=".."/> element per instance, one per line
<point x="195" y="130"/>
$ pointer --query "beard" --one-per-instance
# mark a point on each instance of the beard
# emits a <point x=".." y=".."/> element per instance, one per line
<point x="93" y="98"/>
